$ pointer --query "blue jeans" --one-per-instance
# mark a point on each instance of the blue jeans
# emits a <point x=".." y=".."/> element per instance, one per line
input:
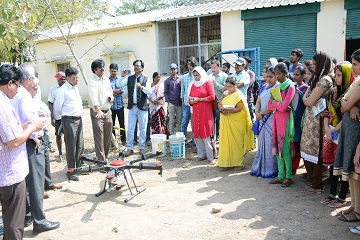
<point x="186" y="115"/>
<point x="147" y="130"/>
<point x="140" y="116"/>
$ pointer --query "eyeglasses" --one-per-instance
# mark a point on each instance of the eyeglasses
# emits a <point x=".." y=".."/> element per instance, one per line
<point x="17" y="85"/>
<point x="101" y="67"/>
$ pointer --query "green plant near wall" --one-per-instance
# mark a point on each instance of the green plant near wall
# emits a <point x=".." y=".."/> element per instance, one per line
<point x="118" y="135"/>
<point x="85" y="103"/>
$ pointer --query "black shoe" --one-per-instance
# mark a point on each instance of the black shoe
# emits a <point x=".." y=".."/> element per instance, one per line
<point x="28" y="221"/>
<point x="39" y="228"/>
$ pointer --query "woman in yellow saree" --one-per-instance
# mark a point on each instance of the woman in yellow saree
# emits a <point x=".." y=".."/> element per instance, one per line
<point x="236" y="136"/>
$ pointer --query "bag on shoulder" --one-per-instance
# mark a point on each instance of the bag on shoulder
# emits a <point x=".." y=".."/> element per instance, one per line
<point x="215" y="103"/>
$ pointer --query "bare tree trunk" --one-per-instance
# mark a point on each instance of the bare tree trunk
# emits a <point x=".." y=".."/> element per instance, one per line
<point x="78" y="62"/>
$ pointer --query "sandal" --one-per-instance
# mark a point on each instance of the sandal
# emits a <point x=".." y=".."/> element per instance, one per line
<point x="201" y="159"/>
<point x="351" y="217"/>
<point x="347" y="211"/>
<point x="337" y="203"/>
<point x="287" y="183"/>
<point x="327" y="200"/>
<point x="312" y="191"/>
<point x="213" y="162"/>
<point x="276" y="181"/>
<point x="355" y="230"/>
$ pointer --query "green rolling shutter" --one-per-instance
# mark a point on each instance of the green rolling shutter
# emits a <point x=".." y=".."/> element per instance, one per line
<point x="277" y="36"/>
<point x="353" y="24"/>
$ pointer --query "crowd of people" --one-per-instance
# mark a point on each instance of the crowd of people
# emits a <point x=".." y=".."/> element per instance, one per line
<point x="315" y="116"/>
<point x="307" y="110"/>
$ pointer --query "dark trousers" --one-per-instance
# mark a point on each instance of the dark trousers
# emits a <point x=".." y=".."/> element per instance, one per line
<point x="35" y="181"/>
<point x="314" y="173"/>
<point x="47" y="144"/>
<point x="102" y="130"/>
<point x="216" y="114"/>
<point x="121" y="118"/>
<point x="334" y="180"/>
<point x="74" y="140"/>
<point x="13" y="200"/>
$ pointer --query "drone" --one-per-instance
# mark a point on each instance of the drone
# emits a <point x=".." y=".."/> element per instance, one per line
<point x="118" y="172"/>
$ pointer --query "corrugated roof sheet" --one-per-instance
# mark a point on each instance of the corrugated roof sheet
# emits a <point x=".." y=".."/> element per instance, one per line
<point x="106" y="23"/>
<point x="225" y="6"/>
<point x="169" y="14"/>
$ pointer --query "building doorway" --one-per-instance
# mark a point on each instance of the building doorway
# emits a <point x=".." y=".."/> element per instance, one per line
<point x="351" y="46"/>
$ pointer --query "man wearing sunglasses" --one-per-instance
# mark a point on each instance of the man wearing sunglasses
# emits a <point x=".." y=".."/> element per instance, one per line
<point x="101" y="99"/>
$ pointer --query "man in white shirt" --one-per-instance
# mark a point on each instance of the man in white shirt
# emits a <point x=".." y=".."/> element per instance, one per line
<point x="241" y="76"/>
<point x="14" y="160"/>
<point x="26" y="110"/>
<point x="139" y="89"/>
<point x="56" y="119"/>
<point x="101" y="99"/>
<point x="68" y="105"/>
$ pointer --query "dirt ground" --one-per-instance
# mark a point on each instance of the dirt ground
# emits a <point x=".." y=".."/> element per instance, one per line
<point x="179" y="205"/>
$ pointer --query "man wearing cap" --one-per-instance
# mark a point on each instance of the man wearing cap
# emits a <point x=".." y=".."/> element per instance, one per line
<point x="172" y="92"/>
<point x="241" y="76"/>
<point x="56" y="119"/>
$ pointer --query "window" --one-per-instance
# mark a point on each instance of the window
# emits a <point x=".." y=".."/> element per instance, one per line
<point x="199" y="37"/>
<point x="188" y="31"/>
<point x="62" y="66"/>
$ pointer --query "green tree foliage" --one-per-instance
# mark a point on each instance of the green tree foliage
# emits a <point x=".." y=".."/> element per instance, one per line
<point x="139" y="6"/>
<point x="21" y="21"/>
<point x="16" y="20"/>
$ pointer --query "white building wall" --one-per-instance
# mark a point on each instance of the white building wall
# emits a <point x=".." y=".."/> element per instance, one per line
<point x="232" y="32"/>
<point x="133" y="43"/>
<point x="331" y="28"/>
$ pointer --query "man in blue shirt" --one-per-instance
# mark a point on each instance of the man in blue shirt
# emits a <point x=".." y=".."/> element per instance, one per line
<point x="185" y="83"/>
<point x="241" y="76"/>
<point x="295" y="57"/>
<point x="172" y="92"/>
<point x="117" y="109"/>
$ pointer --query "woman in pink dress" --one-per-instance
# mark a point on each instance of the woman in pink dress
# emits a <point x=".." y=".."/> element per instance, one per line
<point x="201" y="95"/>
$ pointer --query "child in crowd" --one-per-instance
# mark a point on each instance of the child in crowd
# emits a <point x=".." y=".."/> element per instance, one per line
<point x="299" y="109"/>
<point x="332" y="124"/>
<point x="283" y="126"/>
